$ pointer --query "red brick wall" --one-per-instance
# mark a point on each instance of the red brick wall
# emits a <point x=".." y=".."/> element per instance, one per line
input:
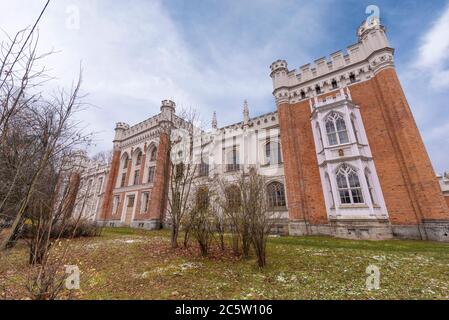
<point x="304" y="191"/>
<point x="408" y="181"/>
<point x="110" y="184"/>
<point x="447" y="200"/>
<point x="158" y="197"/>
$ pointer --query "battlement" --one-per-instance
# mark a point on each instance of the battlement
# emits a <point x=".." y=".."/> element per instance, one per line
<point x="362" y="57"/>
<point x="168" y="103"/>
<point x="121" y="125"/>
<point x="278" y="65"/>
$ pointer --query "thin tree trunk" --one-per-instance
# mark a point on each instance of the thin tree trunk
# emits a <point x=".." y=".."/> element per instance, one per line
<point x="174" y="236"/>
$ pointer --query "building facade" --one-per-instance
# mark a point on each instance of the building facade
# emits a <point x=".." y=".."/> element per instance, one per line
<point x="342" y="153"/>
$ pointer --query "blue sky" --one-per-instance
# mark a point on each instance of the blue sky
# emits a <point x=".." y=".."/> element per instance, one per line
<point x="211" y="55"/>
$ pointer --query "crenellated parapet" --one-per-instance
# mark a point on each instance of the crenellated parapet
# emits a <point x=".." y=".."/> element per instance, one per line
<point x="360" y="62"/>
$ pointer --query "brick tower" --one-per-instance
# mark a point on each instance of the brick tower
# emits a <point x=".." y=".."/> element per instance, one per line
<point x="136" y="187"/>
<point x="355" y="163"/>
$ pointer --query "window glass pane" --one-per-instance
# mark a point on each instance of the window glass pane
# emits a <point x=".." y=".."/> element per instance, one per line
<point x="357" y="195"/>
<point x="353" y="180"/>
<point x="343" y="135"/>
<point x="341" y="181"/>
<point x="341" y="126"/>
<point x="330" y="126"/>
<point x="332" y="139"/>
<point x="344" y="196"/>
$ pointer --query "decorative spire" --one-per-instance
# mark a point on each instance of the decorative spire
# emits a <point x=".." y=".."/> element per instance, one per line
<point x="245" y="111"/>
<point x="214" y="120"/>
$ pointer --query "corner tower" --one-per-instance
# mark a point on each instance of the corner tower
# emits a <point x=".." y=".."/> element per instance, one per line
<point x="343" y="117"/>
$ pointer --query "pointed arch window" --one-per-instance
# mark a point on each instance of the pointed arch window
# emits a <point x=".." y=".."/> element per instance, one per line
<point x="336" y="129"/>
<point x="153" y="153"/>
<point x="276" y="195"/>
<point x="125" y="161"/>
<point x="139" y="158"/>
<point x="348" y="184"/>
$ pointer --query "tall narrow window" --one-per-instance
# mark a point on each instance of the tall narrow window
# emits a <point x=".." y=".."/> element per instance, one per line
<point x="115" y="204"/>
<point x="348" y="184"/>
<point x="369" y="183"/>
<point x="122" y="182"/>
<point x="303" y="94"/>
<point x="276" y="195"/>
<point x="136" y="177"/>
<point x="334" y="84"/>
<point x="139" y="159"/>
<point x="352" y="77"/>
<point x="336" y="129"/>
<point x="354" y="128"/>
<point x="125" y="162"/>
<point x="153" y="154"/>
<point x="144" y="202"/>
<point x="203" y="169"/>
<point x="273" y="153"/>
<point x="329" y="190"/>
<point x="317" y="89"/>
<point x="151" y="174"/>
<point x="232" y="160"/>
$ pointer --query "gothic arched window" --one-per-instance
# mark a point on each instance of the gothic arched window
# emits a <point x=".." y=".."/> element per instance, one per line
<point x="276" y="195"/>
<point x="348" y="184"/>
<point x="125" y="161"/>
<point x="336" y="129"/>
<point x="139" y="158"/>
<point x="153" y="153"/>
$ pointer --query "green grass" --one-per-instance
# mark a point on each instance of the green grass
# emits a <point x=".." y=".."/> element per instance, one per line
<point x="126" y="263"/>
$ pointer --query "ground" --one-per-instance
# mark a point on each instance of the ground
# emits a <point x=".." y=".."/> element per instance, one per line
<point x="135" y="264"/>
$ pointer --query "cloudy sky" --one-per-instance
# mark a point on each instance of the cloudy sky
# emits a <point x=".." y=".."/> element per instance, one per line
<point x="211" y="55"/>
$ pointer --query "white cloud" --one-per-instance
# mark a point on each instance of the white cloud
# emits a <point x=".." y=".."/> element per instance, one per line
<point x="433" y="53"/>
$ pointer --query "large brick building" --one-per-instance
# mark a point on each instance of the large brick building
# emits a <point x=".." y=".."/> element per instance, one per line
<point x="342" y="153"/>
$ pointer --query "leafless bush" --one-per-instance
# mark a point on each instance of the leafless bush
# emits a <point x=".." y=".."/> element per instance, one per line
<point x="202" y="219"/>
<point x="38" y="139"/>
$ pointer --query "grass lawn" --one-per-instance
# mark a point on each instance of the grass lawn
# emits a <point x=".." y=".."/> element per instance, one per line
<point x="135" y="264"/>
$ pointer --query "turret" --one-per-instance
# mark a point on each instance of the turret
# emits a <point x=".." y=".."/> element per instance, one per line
<point x="120" y="128"/>
<point x="371" y="34"/>
<point x="168" y="108"/>
<point x="280" y="75"/>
